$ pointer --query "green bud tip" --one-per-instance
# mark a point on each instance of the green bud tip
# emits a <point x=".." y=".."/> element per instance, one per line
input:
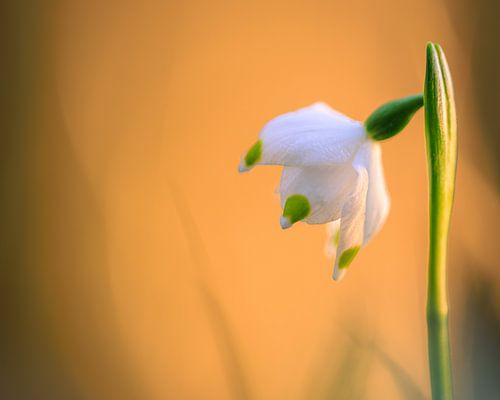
<point x="252" y="157"/>
<point x="390" y="118"/>
<point x="441" y="120"/>
<point x="296" y="208"/>
<point x="440" y="131"/>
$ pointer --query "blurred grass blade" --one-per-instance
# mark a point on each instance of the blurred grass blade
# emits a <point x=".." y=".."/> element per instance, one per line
<point x="406" y="385"/>
<point x="350" y="380"/>
<point x="481" y="333"/>
<point x="403" y="380"/>
<point x="342" y="372"/>
<point x="221" y="326"/>
<point x="441" y="138"/>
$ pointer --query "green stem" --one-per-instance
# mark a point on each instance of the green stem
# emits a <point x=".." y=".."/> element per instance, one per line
<point x="441" y="138"/>
<point x="437" y="313"/>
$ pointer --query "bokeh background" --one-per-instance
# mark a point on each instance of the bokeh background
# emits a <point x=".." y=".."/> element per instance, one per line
<point x="137" y="264"/>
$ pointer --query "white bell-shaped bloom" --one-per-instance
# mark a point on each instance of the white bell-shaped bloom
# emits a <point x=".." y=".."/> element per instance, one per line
<point x="332" y="174"/>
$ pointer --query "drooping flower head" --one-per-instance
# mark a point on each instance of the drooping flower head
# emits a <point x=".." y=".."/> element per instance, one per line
<point x="332" y="174"/>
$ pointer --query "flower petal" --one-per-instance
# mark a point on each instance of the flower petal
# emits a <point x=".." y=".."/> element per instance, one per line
<point x="352" y="223"/>
<point x="312" y="136"/>
<point x="325" y="189"/>
<point x="377" y="202"/>
<point x="332" y="237"/>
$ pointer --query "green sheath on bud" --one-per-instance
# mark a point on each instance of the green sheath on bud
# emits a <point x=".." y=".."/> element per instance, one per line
<point x="441" y="138"/>
<point x="390" y="118"/>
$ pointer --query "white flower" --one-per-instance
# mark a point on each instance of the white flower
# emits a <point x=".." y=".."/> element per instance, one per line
<point x="332" y="174"/>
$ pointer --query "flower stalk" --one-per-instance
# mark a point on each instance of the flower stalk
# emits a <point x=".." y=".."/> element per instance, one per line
<point x="441" y="139"/>
<point x="390" y="118"/>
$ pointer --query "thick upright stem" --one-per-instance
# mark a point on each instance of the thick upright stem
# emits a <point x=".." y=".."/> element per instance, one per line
<point x="437" y="310"/>
<point x="441" y="138"/>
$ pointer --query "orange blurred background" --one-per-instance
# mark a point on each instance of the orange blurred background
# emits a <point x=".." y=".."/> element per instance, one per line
<point x="138" y="264"/>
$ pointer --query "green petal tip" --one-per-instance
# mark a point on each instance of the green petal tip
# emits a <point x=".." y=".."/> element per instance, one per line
<point x="252" y="157"/>
<point x="347" y="256"/>
<point x="296" y="208"/>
